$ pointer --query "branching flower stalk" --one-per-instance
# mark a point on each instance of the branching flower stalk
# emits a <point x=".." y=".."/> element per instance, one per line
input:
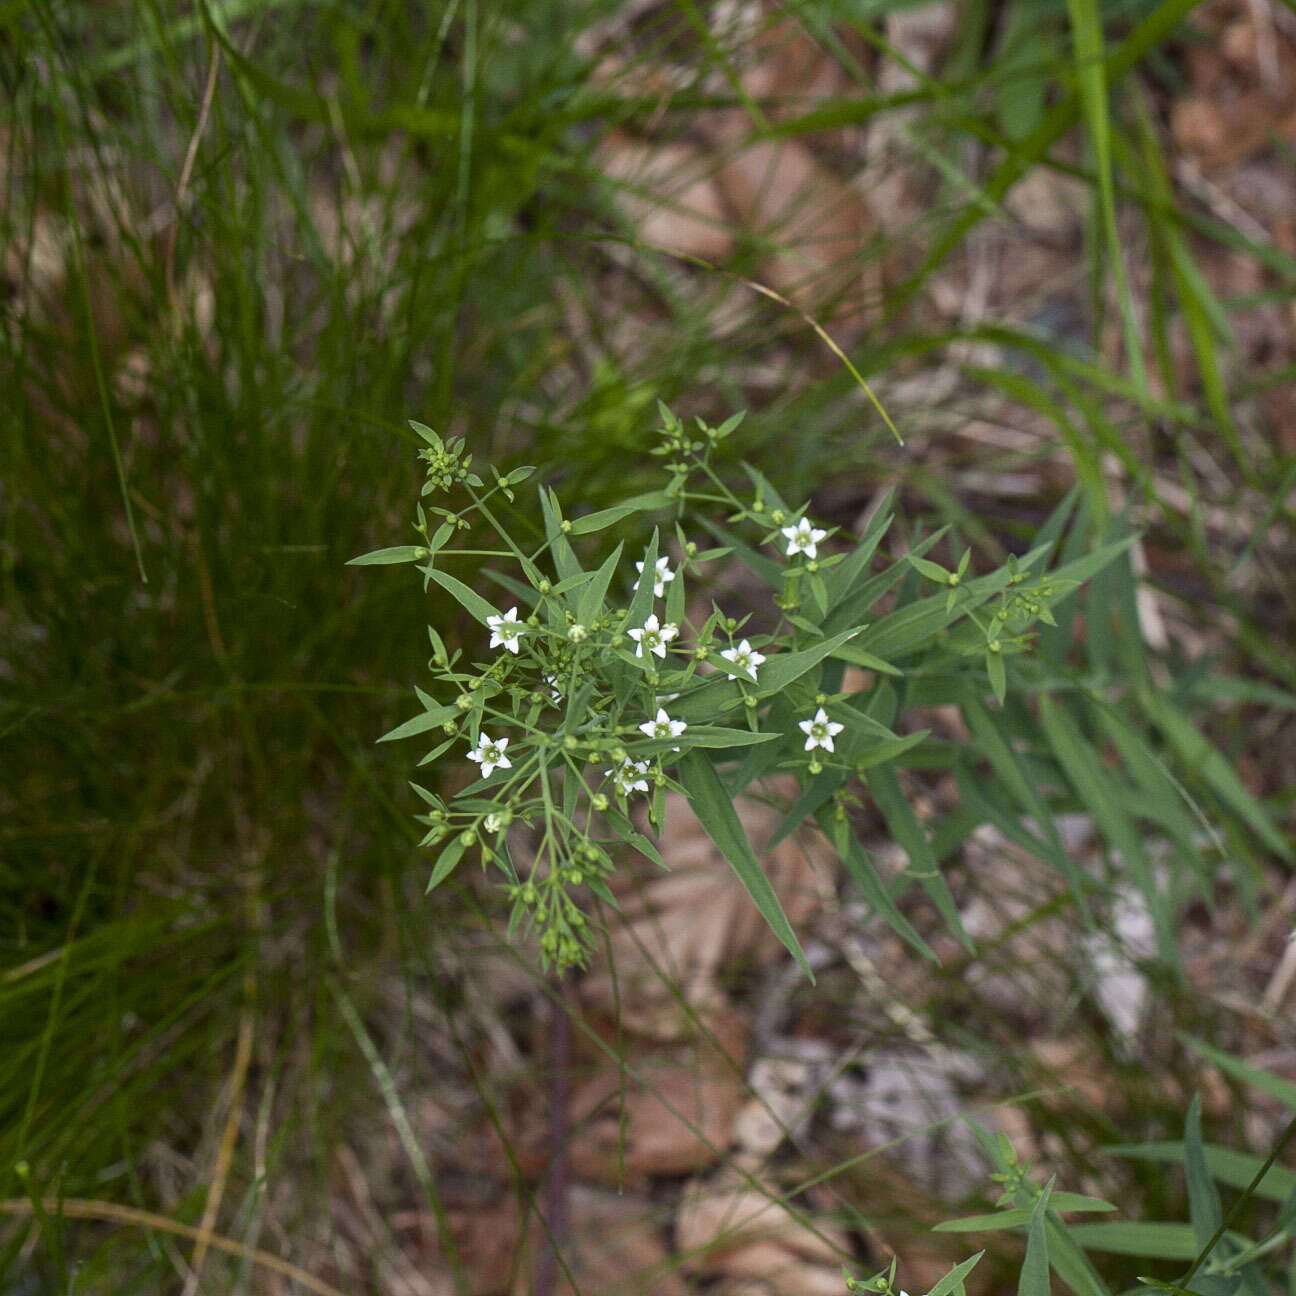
<point x="601" y="692"/>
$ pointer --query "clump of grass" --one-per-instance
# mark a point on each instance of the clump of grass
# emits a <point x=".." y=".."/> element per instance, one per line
<point x="242" y="245"/>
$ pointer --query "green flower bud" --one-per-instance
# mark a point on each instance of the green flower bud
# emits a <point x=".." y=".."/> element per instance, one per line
<point x="599" y="801"/>
<point x="468" y="837"/>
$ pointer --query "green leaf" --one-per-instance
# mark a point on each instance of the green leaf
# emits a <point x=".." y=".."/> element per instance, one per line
<point x="1093" y="785"/>
<point x="1283" y="1090"/>
<point x="847" y="652"/>
<point x="1201" y="757"/>
<point x="605" y="518"/>
<point x="866" y="877"/>
<point x="994" y="1222"/>
<point x="641" y="602"/>
<point x="1147" y="1240"/>
<point x="465" y="597"/>
<point x="909" y="835"/>
<point x="784" y="668"/>
<point x="387" y="557"/>
<point x="1034" y="1278"/>
<point x="445" y="864"/>
<point x="998" y="677"/>
<point x="590" y="603"/>
<point x="715" y="812"/>
<point x="1237" y="1169"/>
<point x="1204" y="1209"/>
<point x="421" y="723"/>
<point x="952" y="1283"/>
<point x="565" y="564"/>
<point x="715" y="736"/>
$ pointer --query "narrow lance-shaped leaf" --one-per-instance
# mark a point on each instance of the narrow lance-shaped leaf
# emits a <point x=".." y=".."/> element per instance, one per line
<point x="1034" y="1278"/>
<point x="387" y="557"/>
<point x="715" y="812"/>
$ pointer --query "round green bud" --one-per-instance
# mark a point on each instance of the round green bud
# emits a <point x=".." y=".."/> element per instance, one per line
<point x="812" y="565"/>
<point x="468" y="837"/>
<point x="575" y="876"/>
<point x="599" y="801"/>
<point x="816" y="767"/>
<point x="566" y="527"/>
<point x="821" y="699"/>
<point x="691" y="549"/>
<point x="778" y="517"/>
<point x="570" y="742"/>
<point x="993" y="646"/>
<point x="463" y="701"/>
<point x="449" y="728"/>
<point x="750" y="701"/>
<point x="545" y="587"/>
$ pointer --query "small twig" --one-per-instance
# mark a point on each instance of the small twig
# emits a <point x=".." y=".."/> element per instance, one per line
<point x="186" y="171"/>
<point x="555" y="1191"/>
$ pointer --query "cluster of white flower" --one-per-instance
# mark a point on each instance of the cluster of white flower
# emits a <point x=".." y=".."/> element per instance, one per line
<point x="742" y="662"/>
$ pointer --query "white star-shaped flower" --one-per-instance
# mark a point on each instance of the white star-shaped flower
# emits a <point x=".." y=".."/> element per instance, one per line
<point x="506" y="630"/>
<point x="803" y="538"/>
<point x="494" y="822"/>
<point x="662" y="576"/>
<point x="629" y="778"/>
<point x="489" y="754"/>
<point x="819" y="730"/>
<point x="652" y="636"/>
<point x="745" y="657"/>
<point x="663" y="726"/>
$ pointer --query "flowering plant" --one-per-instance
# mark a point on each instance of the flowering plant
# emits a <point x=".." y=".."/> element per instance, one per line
<point x="605" y="684"/>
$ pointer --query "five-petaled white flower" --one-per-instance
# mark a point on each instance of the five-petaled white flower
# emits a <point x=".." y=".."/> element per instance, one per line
<point x="662" y="576"/>
<point x="652" y="636"/>
<point x="819" y="730"/>
<point x="494" y="822"/>
<point x="803" y="538"/>
<point x="745" y="657"/>
<point x="506" y="630"/>
<point x="629" y="778"/>
<point x="663" y="726"/>
<point x="490" y="755"/>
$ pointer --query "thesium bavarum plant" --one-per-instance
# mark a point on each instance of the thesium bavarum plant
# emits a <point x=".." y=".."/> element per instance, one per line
<point x="612" y="678"/>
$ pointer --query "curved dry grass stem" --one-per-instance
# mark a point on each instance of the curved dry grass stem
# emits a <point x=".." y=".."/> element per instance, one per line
<point x="186" y="171"/>
<point x="87" y="1208"/>
<point x="225" y="1156"/>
